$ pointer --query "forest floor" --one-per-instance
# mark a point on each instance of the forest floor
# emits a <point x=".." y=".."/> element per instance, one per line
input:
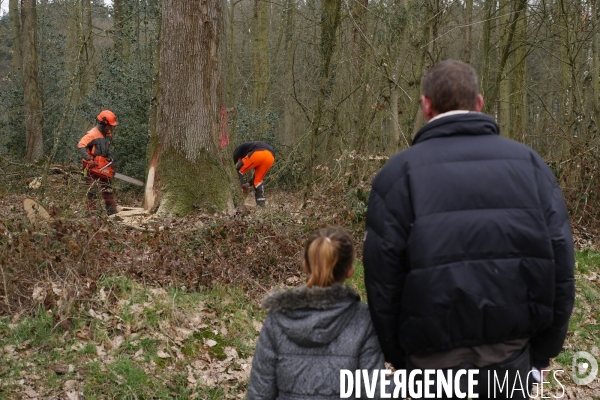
<point x="145" y="308"/>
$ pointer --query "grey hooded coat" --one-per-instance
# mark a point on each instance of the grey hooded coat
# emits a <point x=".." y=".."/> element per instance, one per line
<point x="309" y="335"/>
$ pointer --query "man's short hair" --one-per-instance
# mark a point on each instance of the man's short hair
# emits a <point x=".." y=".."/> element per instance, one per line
<point x="451" y="85"/>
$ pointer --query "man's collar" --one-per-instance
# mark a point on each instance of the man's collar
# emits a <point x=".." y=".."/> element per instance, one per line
<point x="453" y="112"/>
<point x="458" y="122"/>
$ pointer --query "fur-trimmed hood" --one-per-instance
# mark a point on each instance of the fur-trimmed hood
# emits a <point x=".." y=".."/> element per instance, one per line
<point x="304" y="297"/>
<point x="314" y="316"/>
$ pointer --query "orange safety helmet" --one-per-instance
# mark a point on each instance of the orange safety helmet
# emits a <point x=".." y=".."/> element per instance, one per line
<point x="107" y="117"/>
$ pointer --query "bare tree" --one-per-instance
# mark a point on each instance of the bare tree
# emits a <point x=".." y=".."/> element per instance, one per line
<point x="15" y="33"/>
<point x="34" y="149"/>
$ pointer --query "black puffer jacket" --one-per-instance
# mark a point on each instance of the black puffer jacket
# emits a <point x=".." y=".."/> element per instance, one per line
<point x="246" y="148"/>
<point x="468" y="242"/>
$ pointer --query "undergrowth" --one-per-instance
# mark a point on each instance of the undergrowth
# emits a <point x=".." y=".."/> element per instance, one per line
<point x="96" y="308"/>
<point x="133" y="341"/>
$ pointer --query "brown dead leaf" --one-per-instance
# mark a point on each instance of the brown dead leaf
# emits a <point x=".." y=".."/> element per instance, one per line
<point x="116" y="342"/>
<point x="162" y="354"/>
<point x="83" y="334"/>
<point x="31" y="393"/>
<point x="70" y="385"/>
<point x="60" y="369"/>
<point x="74" y="247"/>
<point x="73" y="395"/>
<point x="257" y="325"/>
<point x="39" y="294"/>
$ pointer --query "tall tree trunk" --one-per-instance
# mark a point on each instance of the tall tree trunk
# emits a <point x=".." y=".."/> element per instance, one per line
<point x="261" y="60"/>
<point x="189" y="167"/>
<point x="359" y="47"/>
<point x="150" y="200"/>
<point x="423" y="49"/>
<point x="395" y="106"/>
<point x="468" y="31"/>
<point x="565" y="66"/>
<point x="504" y="100"/>
<point x="288" y="49"/>
<point x="595" y="65"/>
<point x="519" y="96"/>
<point x="505" y="51"/>
<point x="15" y="33"/>
<point x="231" y="63"/>
<point x="34" y="149"/>
<point x="488" y="27"/>
<point x="122" y="28"/>
<point x="330" y="20"/>
<point x="89" y="62"/>
<point x="73" y="33"/>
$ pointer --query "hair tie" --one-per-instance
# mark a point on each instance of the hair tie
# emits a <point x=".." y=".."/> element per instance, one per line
<point x="327" y="238"/>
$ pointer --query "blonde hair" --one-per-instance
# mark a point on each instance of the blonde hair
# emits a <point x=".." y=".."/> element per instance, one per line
<point x="328" y="256"/>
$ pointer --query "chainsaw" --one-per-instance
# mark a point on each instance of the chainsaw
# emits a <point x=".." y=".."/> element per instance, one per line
<point x="104" y="168"/>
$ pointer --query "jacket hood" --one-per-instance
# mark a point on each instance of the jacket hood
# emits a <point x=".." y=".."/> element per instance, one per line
<point x="314" y="316"/>
<point x="472" y="123"/>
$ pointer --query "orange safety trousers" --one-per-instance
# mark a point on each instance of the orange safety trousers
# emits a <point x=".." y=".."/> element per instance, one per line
<point x="261" y="161"/>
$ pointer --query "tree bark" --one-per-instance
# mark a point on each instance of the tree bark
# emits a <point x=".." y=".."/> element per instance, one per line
<point x="15" y="33"/>
<point x="288" y="48"/>
<point x="504" y="100"/>
<point x="122" y="28"/>
<point x="505" y="53"/>
<point x="468" y="31"/>
<point x="330" y="20"/>
<point x="34" y="149"/>
<point x="189" y="167"/>
<point x="488" y="27"/>
<point x="261" y="61"/>
<point x="595" y="65"/>
<point x="519" y="95"/>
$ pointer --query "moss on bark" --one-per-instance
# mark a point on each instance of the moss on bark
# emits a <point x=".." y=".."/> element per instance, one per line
<point x="186" y="185"/>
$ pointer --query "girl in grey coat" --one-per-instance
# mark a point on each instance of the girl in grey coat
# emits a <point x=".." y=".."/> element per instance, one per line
<point x="314" y="331"/>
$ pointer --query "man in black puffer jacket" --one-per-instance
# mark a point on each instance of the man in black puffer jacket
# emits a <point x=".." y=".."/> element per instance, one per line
<point x="468" y="251"/>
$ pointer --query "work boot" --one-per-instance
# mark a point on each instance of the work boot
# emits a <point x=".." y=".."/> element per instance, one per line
<point x="110" y="210"/>
<point x="259" y="195"/>
<point x="111" y="204"/>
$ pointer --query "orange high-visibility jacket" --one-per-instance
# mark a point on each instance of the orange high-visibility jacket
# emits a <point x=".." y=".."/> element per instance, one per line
<point x="95" y="143"/>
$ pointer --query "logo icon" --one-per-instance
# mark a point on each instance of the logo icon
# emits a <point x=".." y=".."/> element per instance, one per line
<point x="585" y="368"/>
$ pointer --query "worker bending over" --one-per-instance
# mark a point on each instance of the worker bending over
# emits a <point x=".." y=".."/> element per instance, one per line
<point x="258" y="156"/>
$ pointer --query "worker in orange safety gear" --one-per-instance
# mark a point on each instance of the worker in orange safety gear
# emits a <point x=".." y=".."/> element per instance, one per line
<point x="94" y="146"/>
<point x="258" y="156"/>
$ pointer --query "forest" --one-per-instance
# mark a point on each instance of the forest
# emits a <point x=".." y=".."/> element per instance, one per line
<point x="163" y="302"/>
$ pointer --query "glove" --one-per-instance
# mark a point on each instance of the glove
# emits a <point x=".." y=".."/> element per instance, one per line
<point x="245" y="187"/>
<point x="90" y="164"/>
<point x="239" y="165"/>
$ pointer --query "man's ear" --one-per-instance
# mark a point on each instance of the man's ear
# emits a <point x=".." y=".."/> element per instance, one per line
<point x="428" y="110"/>
<point x="479" y="105"/>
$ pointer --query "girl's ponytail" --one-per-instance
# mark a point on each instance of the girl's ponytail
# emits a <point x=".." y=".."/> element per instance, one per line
<point x="328" y="256"/>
